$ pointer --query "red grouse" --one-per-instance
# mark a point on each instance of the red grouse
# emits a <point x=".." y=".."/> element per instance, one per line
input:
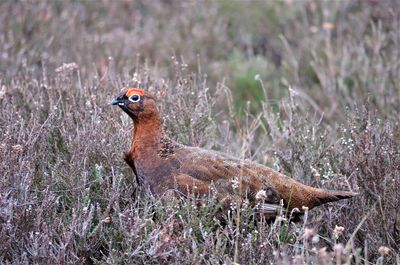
<point x="162" y="164"/>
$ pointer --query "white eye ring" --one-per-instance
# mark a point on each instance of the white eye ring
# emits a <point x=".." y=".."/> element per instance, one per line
<point x="134" y="98"/>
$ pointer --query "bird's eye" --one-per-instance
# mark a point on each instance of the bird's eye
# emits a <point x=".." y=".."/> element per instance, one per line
<point x="134" y="98"/>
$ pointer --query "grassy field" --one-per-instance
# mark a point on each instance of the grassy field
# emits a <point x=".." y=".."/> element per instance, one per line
<point x="309" y="88"/>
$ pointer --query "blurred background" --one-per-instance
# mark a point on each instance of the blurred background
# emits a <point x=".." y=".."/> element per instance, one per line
<point x="326" y="50"/>
<point x="310" y="88"/>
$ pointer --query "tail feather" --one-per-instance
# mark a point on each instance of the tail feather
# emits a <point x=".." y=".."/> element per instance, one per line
<point x="325" y="196"/>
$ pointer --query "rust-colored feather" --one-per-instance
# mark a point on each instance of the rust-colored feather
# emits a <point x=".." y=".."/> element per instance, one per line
<point x="162" y="164"/>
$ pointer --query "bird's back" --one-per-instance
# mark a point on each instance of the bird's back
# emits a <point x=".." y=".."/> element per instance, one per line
<point x="199" y="170"/>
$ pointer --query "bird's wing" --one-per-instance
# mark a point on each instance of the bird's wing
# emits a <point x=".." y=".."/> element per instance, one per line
<point x="230" y="175"/>
<point x="226" y="175"/>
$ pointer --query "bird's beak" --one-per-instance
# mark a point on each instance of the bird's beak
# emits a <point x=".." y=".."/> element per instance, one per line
<point x="117" y="101"/>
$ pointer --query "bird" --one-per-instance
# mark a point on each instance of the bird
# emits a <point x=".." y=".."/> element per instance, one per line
<point x="162" y="165"/>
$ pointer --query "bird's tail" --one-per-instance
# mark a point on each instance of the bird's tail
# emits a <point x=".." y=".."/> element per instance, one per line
<point x="325" y="196"/>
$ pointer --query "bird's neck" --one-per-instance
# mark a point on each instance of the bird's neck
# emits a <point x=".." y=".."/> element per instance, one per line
<point x="146" y="138"/>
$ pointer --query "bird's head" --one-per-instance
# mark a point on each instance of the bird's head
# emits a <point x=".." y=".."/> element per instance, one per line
<point x="138" y="104"/>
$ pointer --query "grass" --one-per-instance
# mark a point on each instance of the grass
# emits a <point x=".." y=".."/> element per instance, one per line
<point x="328" y="116"/>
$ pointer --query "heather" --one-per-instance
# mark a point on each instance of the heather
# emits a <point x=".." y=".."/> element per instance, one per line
<point x="309" y="88"/>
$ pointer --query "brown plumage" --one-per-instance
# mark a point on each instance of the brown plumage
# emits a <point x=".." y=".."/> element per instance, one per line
<point x="161" y="164"/>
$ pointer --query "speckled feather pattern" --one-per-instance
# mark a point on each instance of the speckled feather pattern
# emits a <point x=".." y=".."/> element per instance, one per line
<point x="161" y="164"/>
